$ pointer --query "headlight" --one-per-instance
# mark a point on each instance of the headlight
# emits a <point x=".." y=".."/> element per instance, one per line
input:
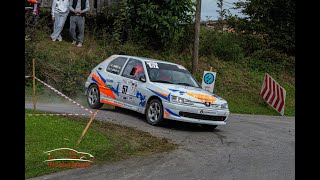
<point x="181" y="100"/>
<point x="224" y="106"/>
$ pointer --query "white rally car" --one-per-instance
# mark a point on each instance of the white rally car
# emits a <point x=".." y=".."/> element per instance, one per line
<point x="158" y="89"/>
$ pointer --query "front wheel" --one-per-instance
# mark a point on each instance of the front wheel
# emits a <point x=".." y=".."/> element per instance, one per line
<point x="93" y="97"/>
<point x="154" y="112"/>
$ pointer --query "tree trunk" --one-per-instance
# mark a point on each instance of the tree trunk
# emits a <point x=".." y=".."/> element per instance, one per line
<point x="196" y="38"/>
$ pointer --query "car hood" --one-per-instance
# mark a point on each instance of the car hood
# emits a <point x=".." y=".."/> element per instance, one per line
<point x="190" y="93"/>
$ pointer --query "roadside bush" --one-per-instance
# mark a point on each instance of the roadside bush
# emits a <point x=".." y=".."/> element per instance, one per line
<point x="251" y="43"/>
<point x="225" y="46"/>
<point x="65" y="74"/>
<point x="206" y="40"/>
<point x="99" y="24"/>
<point x="228" y="47"/>
<point x="156" y="23"/>
<point x="183" y="40"/>
<point x="32" y="24"/>
<point x="34" y="29"/>
<point x="28" y="55"/>
<point x="270" y="60"/>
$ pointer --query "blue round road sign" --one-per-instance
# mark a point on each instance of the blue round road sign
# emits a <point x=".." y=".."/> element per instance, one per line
<point x="208" y="78"/>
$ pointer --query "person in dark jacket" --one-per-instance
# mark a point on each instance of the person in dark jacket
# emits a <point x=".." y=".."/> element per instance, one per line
<point x="78" y="9"/>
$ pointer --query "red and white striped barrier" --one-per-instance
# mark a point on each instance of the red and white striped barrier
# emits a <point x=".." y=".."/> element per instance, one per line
<point x="273" y="94"/>
<point x="66" y="97"/>
<point x="56" y="114"/>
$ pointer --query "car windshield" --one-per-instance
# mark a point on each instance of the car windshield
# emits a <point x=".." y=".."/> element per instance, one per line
<point x="170" y="73"/>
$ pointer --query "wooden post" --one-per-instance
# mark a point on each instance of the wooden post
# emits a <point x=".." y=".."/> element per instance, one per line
<point x="85" y="129"/>
<point x="196" y="38"/>
<point x="210" y="69"/>
<point x="34" y="85"/>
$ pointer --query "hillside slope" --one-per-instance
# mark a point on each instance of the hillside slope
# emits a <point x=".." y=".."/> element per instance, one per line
<point x="66" y="67"/>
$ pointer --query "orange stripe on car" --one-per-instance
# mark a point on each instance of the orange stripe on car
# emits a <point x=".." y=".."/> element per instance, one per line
<point x="203" y="97"/>
<point x="165" y="95"/>
<point x="111" y="103"/>
<point x="97" y="78"/>
<point x="166" y="113"/>
<point x="107" y="91"/>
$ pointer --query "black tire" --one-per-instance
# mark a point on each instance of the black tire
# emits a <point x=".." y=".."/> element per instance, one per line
<point x="209" y="127"/>
<point x="154" y="112"/>
<point x="93" y="97"/>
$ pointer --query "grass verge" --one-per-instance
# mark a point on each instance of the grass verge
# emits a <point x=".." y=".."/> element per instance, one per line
<point x="105" y="141"/>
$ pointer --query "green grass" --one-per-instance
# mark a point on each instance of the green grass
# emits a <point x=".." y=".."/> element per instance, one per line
<point x="236" y="82"/>
<point x="241" y="86"/>
<point x="105" y="141"/>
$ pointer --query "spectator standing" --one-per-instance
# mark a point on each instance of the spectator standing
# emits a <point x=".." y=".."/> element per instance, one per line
<point x="59" y="12"/>
<point x="78" y="9"/>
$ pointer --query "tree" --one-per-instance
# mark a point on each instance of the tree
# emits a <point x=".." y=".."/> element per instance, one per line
<point x="220" y="13"/>
<point x="273" y="18"/>
<point x="195" y="52"/>
<point x="154" y="22"/>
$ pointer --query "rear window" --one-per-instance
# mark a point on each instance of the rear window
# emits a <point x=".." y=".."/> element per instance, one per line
<point x="116" y="65"/>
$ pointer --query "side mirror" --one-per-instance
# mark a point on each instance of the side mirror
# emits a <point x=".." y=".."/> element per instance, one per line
<point x="142" y="78"/>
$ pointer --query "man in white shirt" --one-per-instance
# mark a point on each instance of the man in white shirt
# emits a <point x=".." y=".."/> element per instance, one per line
<point x="59" y="12"/>
<point x="78" y="9"/>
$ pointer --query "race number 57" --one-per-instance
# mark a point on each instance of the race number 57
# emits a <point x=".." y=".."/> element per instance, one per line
<point x="124" y="89"/>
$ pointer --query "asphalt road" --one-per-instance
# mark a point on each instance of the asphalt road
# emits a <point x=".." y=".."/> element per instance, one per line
<point x="249" y="147"/>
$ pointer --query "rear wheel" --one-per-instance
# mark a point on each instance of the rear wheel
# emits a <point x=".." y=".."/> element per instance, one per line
<point x="154" y="112"/>
<point x="93" y="97"/>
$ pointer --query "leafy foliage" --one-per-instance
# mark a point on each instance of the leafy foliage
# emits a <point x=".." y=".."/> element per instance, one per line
<point x="275" y="19"/>
<point x="120" y="22"/>
<point x="251" y="43"/>
<point x="270" y="60"/>
<point x="222" y="13"/>
<point x="156" y="23"/>
<point x="225" y="46"/>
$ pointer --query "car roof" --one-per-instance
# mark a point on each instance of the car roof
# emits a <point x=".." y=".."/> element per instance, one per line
<point x="144" y="59"/>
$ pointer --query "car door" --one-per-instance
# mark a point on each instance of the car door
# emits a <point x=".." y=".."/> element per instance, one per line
<point x="109" y="73"/>
<point x="133" y="85"/>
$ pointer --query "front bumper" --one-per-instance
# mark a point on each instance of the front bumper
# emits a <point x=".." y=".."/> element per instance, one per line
<point x="198" y="115"/>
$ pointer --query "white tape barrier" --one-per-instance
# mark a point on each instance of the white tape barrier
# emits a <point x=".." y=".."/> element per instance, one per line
<point x="66" y="97"/>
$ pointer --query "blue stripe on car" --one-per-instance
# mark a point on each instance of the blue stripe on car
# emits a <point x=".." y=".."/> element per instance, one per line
<point x="94" y="80"/>
<point x="160" y="95"/>
<point x="172" y="113"/>
<point x="101" y="77"/>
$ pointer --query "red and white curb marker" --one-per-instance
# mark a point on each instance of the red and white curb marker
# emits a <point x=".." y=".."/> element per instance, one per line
<point x="273" y="94"/>
<point x="56" y="114"/>
<point x="66" y="97"/>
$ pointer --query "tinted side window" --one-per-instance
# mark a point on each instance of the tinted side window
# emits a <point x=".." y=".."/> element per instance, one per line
<point x="134" y="69"/>
<point x="116" y="65"/>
